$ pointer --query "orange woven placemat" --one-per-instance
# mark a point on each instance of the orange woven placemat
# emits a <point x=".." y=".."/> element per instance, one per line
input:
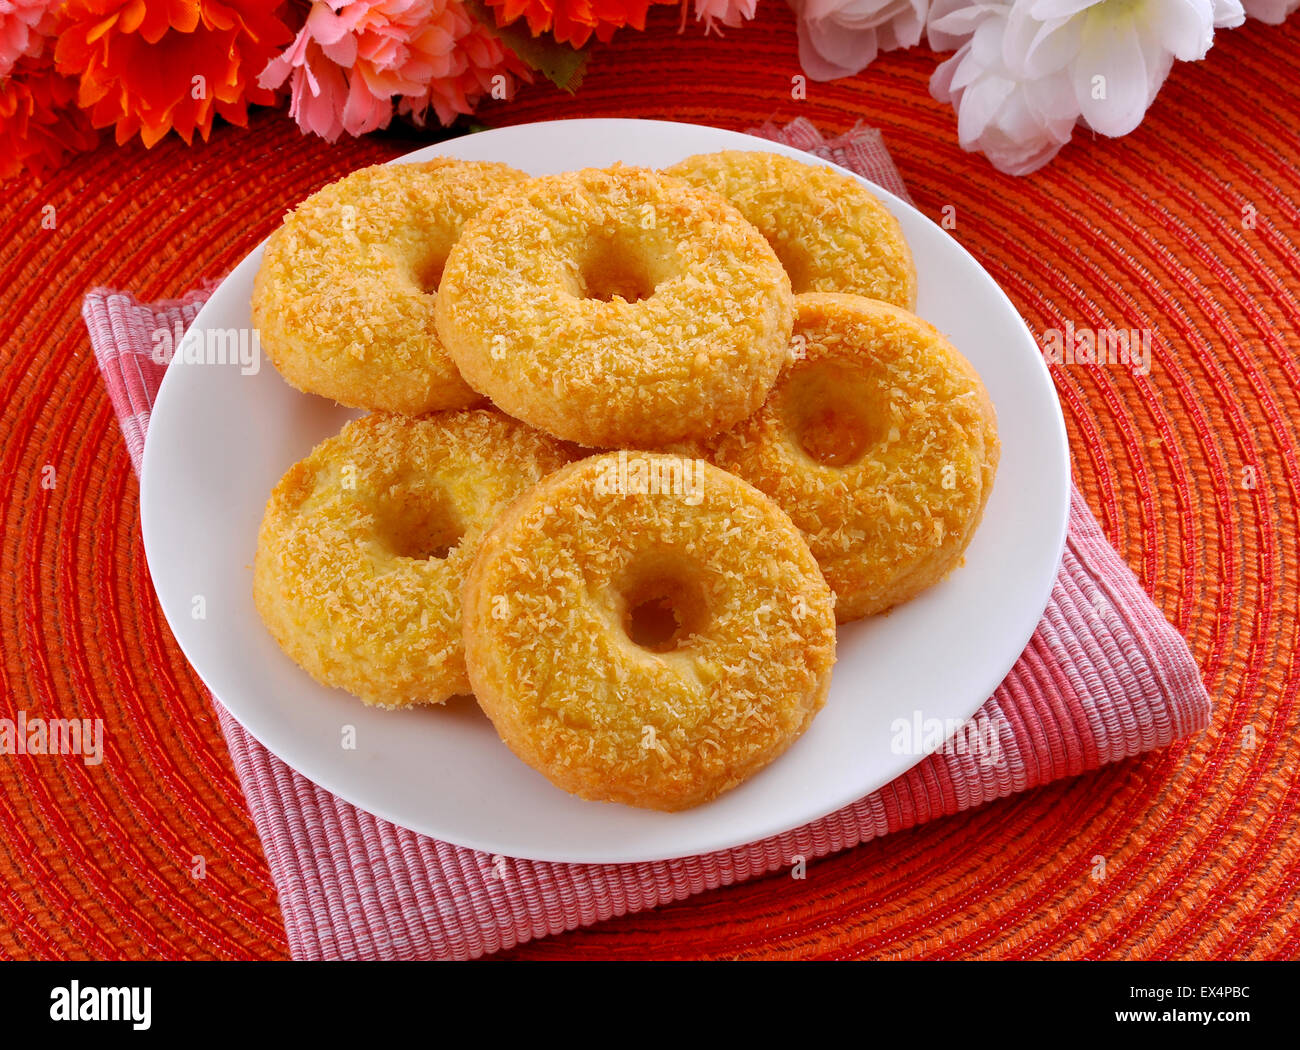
<point x="1188" y="227"/>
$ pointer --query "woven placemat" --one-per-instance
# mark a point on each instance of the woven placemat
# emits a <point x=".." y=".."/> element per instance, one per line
<point x="1185" y="228"/>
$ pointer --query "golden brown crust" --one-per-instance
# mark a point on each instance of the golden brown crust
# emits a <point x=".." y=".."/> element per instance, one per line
<point x="880" y="442"/>
<point x="340" y="576"/>
<point x="616" y="308"/>
<point x="344" y="298"/>
<point x="552" y="660"/>
<point x="830" y="233"/>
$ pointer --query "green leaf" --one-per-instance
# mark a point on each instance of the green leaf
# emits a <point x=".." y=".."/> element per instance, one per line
<point x="562" y="65"/>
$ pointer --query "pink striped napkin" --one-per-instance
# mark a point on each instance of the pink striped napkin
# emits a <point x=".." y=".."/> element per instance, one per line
<point x="1104" y="677"/>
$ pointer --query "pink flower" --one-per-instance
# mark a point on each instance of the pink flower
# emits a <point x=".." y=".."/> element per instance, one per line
<point x="353" y="59"/>
<point x="24" y="25"/>
<point x="730" y="13"/>
<point x="838" y="38"/>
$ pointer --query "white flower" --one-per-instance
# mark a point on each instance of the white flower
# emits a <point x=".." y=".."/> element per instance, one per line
<point x="1019" y="123"/>
<point x="838" y="38"/>
<point x="1118" y="52"/>
<point x="1027" y="70"/>
<point x="1274" y="12"/>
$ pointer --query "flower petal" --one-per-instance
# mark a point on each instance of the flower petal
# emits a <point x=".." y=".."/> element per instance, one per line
<point x="1046" y="10"/>
<point x="1111" y="81"/>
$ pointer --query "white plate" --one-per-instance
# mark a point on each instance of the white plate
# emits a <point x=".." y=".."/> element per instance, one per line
<point x="219" y="440"/>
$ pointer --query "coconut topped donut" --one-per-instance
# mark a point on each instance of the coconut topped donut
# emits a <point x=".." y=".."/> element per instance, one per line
<point x="365" y="543"/>
<point x="647" y="629"/>
<point x="830" y="233"/>
<point x="616" y="307"/>
<point x="880" y="442"/>
<point x="344" y="298"/>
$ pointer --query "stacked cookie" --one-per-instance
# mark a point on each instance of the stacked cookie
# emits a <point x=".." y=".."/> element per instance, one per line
<point x="638" y="439"/>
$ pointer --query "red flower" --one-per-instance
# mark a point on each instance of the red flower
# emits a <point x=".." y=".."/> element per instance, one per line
<point x="152" y="66"/>
<point x="39" y="120"/>
<point x="573" y="21"/>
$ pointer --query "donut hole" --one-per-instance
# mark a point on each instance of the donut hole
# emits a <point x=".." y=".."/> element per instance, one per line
<point x="416" y="520"/>
<point x="419" y="255"/>
<point x="800" y="265"/>
<point x="663" y="608"/>
<point x="834" y="437"/>
<point x="834" y="415"/>
<point x="428" y="272"/>
<point x="623" y="267"/>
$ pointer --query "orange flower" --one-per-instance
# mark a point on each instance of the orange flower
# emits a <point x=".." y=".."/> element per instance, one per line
<point x="39" y="119"/>
<point x="152" y="66"/>
<point x="573" y="21"/>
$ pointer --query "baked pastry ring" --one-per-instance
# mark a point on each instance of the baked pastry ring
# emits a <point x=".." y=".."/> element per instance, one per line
<point x="343" y="301"/>
<point x="365" y="543"/>
<point x="616" y="308"/>
<point x="830" y="233"/>
<point x="880" y="441"/>
<point x="648" y="630"/>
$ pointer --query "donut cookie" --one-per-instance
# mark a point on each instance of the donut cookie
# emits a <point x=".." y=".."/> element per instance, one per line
<point x="830" y="233"/>
<point x="879" y="441"/>
<point x="344" y="299"/>
<point x="365" y="543"/>
<point x="647" y="629"/>
<point x="616" y="307"/>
